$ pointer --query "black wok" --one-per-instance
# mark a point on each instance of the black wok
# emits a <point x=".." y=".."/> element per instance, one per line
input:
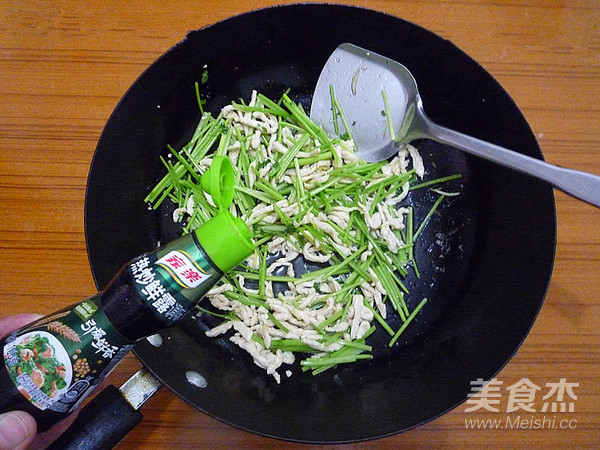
<point x="485" y="260"/>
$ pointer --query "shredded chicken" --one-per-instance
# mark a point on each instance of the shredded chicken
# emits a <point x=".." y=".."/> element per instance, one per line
<point x="303" y="310"/>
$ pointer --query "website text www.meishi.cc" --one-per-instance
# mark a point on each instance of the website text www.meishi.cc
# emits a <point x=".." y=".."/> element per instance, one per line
<point x="522" y="423"/>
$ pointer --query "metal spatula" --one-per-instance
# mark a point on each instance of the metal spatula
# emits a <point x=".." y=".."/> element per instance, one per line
<point x="366" y="84"/>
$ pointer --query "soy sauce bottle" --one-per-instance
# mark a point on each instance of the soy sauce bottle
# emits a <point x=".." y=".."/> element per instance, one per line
<point x="52" y="365"/>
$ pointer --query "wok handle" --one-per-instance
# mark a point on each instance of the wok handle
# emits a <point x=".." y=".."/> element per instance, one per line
<point x="101" y="424"/>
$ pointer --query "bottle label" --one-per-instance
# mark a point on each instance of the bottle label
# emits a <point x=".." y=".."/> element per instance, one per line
<point x="173" y="278"/>
<point x="58" y="360"/>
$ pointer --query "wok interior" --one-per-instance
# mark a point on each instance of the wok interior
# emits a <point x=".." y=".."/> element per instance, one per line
<point x="476" y="257"/>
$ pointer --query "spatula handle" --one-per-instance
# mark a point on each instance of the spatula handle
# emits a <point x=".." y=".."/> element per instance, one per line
<point x="582" y="185"/>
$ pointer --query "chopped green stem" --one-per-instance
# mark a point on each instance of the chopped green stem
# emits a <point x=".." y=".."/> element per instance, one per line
<point x="428" y="216"/>
<point x="212" y="313"/>
<point x="394" y="179"/>
<point x="259" y="195"/>
<point x="379" y="319"/>
<point x="277" y="323"/>
<point x="334" y="112"/>
<point x="410" y="233"/>
<point x="340" y="111"/>
<point x="257" y="338"/>
<point x="358" y="345"/>
<point x="185" y="164"/>
<point x="392" y="291"/>
<point x="292" y="345"/>
<point x="388" y="115"/>
<point x="270" y="190"/>
<point x="273" y="106"/>
<point x="274" y="278"/>
<point x="407" y="322"/>
<point x="329" y="271"/>
<point x="313" y="159"/>
<point x="285" y="161"/>
<point x="333" y="360"/>
<point x="435" y="181"/>
<point x="332" y="319"/>
<point x="266" y="110"/>
<point x="245" y="299"/>
<point x="262" y="272"/>
<point x="198" y="99"/>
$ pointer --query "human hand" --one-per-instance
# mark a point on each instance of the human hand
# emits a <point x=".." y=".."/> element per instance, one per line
<point x="17" y="428"/>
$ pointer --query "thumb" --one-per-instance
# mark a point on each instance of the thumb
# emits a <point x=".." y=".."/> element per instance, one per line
<point x="17" y="429"/>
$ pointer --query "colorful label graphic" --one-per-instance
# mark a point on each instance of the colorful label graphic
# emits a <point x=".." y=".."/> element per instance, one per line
<point x="56" y="361"/>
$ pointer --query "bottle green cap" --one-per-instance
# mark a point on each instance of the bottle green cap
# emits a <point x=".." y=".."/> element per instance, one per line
<point x="218" y="181"/>
<point x="226" y="239"/>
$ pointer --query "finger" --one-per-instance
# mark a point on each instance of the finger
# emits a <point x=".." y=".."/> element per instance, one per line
<point x="10" y="323"/>
<point x="17" y="429"/>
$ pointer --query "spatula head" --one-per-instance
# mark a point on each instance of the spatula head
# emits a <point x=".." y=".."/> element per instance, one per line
<point x="360" y="79"/>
